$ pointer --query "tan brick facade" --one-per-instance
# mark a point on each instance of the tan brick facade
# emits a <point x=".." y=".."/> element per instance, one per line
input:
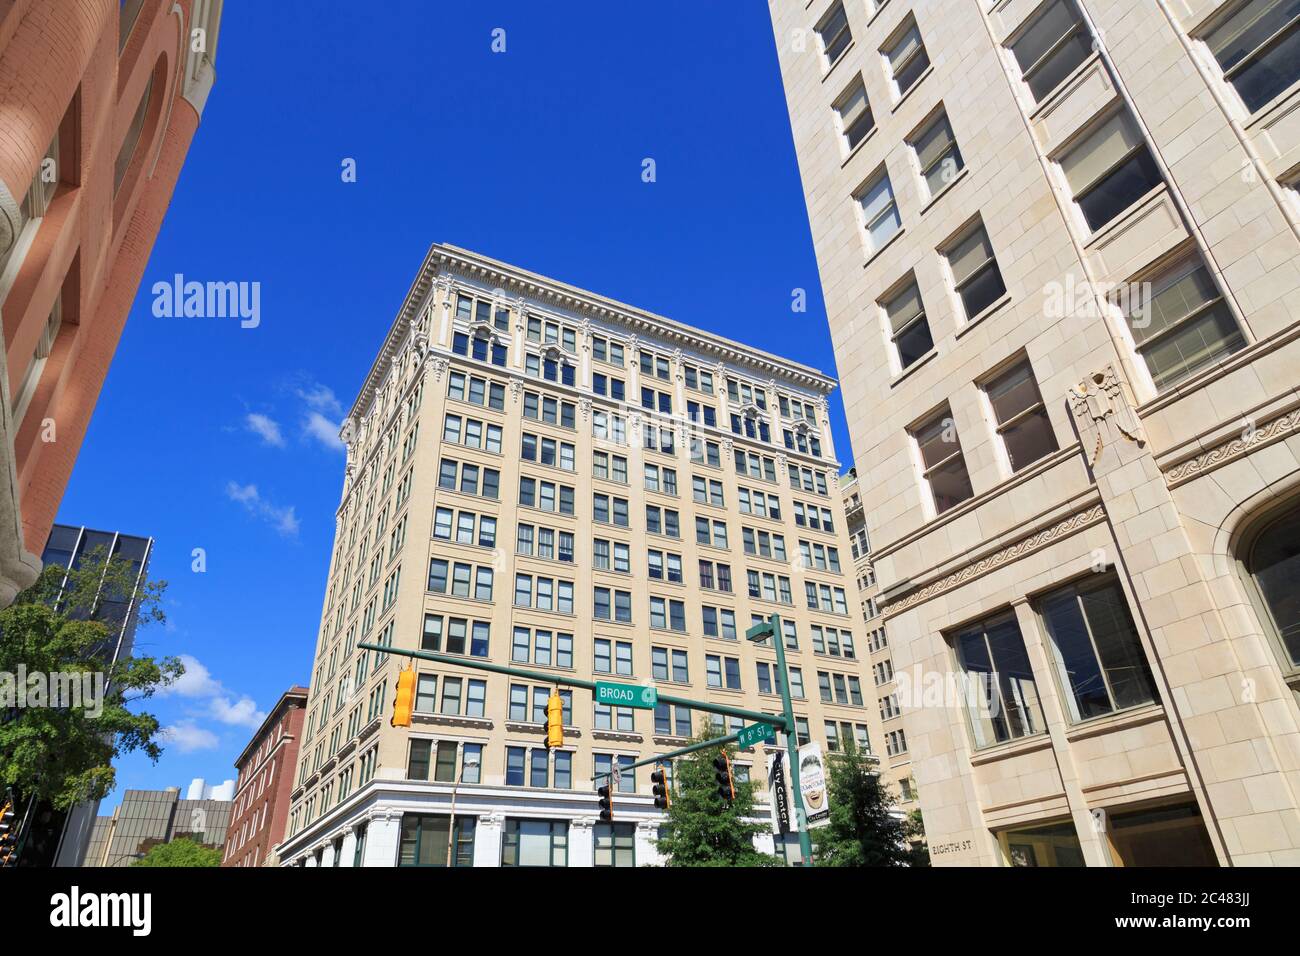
<point x="1104" y="165"/>
<point x="510" y="374"/>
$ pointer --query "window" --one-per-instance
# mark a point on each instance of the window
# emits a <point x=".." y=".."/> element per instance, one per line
<point x="908" y="327"/>
<point x="942" y="464"/>
<point x="937" y="154"/>
<point x="1002" y="697"/>
<point x="833" y="32"/>
<point x="879" y="211"/>
<point x="627" y="777"/>
<point x="1052" y="47"/>
<point x="1273" y="562"/>
<point x="132" y="139"/>
<point x="975" y="272"/>
<point x="535" y="842"/>
<point x="615" y="844"/>
<point x="426" y="693"/>
<point x="1096" y="649"/>
<point x="854" y="114"/>
<point x="1054" y="845"/>
<point x="1185" y="326"/>
<point x="424" y="840"/>
<point x="1258" y="49"/>
<point x="722" y="671"/>
<point x="1110" y="169"/>
<point x="907" y="58"/>
<point x="719" y="622"/>
<point x="1021" y="416"/>
<point x="666" y="614"/>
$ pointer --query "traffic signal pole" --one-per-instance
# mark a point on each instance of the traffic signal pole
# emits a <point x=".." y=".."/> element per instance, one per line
<point x="791" y="744"/>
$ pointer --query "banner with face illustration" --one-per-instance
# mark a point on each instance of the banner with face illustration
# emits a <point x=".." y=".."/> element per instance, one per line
<point x="813" y="782"/>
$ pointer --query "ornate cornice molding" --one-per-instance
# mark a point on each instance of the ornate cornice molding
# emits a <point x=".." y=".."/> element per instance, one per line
<point x="1244" y="443"/>
<point x="990" y="562"/>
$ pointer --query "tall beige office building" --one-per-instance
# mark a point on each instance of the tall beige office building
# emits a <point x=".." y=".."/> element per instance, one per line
<point x="895" y="762"/>
<point x="542" y="476"/>
<point x="1058" y="241"/>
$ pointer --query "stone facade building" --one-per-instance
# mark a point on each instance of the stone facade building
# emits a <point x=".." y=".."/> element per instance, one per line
<point x="542" y="476"/>
<point x="1060" y="247"/>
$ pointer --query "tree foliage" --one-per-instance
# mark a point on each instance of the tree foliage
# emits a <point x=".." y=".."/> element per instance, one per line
<point x="701" y="829"/>
<point x="65" y="755"/>
<point x="861" y="830"/>
<point x="180" y="852"/>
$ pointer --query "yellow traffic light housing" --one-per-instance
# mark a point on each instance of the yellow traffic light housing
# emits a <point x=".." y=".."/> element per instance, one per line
<point x="555" y="721"/>
<point x="404" y="701"/>
<point x="722" y="774"/>
<point x="663" y="798"/>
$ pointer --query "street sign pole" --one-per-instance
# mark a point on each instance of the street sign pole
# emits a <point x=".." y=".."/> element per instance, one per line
<point x="791" y="744"/>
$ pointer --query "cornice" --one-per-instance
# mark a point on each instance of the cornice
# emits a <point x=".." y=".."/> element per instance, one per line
<point x="995" y="559"/>
<point x="442" y="262"/>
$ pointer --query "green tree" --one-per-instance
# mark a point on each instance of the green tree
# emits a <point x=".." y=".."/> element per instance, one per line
<point x="920" y="853"/>
<point x="861" y="831"/>
<point x="701" y="829"/>
<point x="64" y="755"/>
<point x="180" y="852"/>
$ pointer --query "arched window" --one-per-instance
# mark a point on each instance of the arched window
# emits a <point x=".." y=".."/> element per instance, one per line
<point x="125" y="154"/>
<point x="1274" y="562"/>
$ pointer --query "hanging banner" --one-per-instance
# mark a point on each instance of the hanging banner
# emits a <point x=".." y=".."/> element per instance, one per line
<point x="813" y="782"/>
<point x="778" y="792"/>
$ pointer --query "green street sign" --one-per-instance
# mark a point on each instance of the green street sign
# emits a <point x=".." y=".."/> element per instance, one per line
<point x="761" y="630"/>
<point x="755" y="734"/>
<point x="626" y="695"/>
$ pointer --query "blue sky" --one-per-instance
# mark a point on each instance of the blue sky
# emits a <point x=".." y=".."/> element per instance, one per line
<point x="212" y="436"/>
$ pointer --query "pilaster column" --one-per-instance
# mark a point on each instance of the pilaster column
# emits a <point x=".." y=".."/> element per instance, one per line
<point x="383" y="834"/>
<point x="487" y="839"/>
<point x="582" y="841"/>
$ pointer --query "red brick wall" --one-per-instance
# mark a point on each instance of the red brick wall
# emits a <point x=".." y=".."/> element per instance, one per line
<point x="50" y="52"/>
<point x="257" y="846"/>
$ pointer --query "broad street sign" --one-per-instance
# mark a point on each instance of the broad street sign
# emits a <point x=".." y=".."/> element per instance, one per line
<point x="626" y="695"/>
<point x="755" y="734"/>
<point x="760" y="631"/>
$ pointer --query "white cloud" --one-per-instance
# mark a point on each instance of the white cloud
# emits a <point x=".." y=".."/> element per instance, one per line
<point x="187" y="737"/>
<point x="282" y="519"/>
<point x="264" y="427"/>
<point x="323" y="430"/>
<point x="319" y="397"/>
<point x="197" y="681"/>
<point x="240" y="713"/>
<point x="222" y="705"/>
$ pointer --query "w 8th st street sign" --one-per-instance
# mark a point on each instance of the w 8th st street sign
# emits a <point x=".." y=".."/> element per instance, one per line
<point x="626" y="695"/>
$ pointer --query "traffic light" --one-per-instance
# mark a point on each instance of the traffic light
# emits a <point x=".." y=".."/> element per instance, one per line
<point x="722" y="773"/>
<point x="660" y="780"/>
<point x="554" y="721"/>
<point x="8" y="833"/>
<point x="606" y="803"/>
<point x="404" y="702"/>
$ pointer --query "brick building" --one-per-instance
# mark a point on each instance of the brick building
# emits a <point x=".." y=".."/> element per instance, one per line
<point x="98" y="104"/>
<point x="265" y="779"/>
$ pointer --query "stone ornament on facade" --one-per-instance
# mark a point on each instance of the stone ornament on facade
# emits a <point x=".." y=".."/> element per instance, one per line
<point x="1102" y="412"/>
<point x="1248" y="440"/>
<point x="584" y="406"/>
<point x="1012" y="552"/>
<point x="516" y="387"/>
<point x="439" y="365"/>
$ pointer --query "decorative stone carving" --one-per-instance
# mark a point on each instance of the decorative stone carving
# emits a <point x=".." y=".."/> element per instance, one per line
<point x="1026" y="545"/>
<point x="516" y="389"/>
<point x="439" y="365"/>
<point x="584" y="406"/>
<point x="1102" y="411"/>
<point x="1248" y="440"/>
